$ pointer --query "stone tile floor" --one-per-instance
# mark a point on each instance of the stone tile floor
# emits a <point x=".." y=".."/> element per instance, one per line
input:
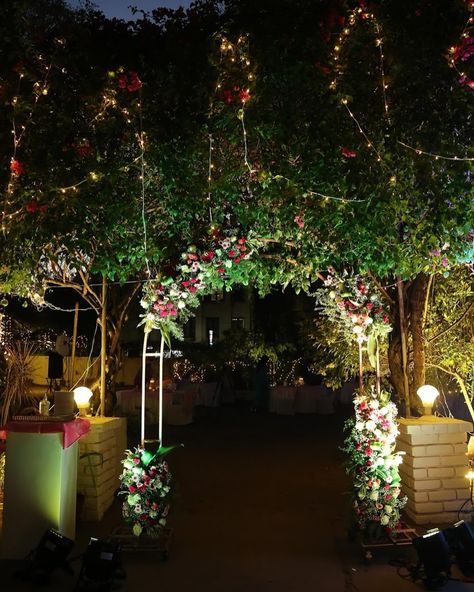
<point x="261" y="505"/>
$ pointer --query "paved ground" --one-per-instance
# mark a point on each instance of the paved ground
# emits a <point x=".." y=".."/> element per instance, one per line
<point x="261" y="506"/>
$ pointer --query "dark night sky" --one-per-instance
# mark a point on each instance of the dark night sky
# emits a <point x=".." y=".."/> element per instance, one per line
<point x="119" y="8"/>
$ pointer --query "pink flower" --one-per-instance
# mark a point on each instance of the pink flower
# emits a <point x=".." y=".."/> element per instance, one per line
<point x="299" y="221"/>
<point x="444" y="262"/>
<point x="136" y="461"/>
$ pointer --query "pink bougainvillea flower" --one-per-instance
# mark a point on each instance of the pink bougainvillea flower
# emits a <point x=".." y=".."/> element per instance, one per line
<point x="16" y="167"/>
<point x="299" y="221"/>
<point x="348" y="153"/>
<point x="444" y="262"/>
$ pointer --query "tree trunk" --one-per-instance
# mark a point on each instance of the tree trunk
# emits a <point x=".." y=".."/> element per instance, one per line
<point x="417" y="297"/>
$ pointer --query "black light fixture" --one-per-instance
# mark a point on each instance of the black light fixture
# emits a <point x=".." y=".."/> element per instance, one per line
<point x="50" y="554"/>
<point x="101" y="565"/>
<point x="461" y="540"/>
<point x="434" y="558"/>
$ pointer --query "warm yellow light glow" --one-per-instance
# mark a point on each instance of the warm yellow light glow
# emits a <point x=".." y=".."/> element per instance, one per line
<point x="427" y="394"/>
<point x="82" y="395"/>
<point x="470" y="475"/>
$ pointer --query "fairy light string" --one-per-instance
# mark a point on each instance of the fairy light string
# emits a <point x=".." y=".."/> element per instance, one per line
<point x="40" y="89"/>
<point x="360" y="14"/>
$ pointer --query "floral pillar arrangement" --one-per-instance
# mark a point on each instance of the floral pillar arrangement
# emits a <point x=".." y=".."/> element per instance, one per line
<point x="373" y="463"/>
<point x="356" y="307"/>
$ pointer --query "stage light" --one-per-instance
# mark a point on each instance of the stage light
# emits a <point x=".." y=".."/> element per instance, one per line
<point x="50" y="554"/>
<point x="427" y="394"/>
<point x="101" y="565"/>
<point x="434" y="558"/>
<point x="461" y="541"/>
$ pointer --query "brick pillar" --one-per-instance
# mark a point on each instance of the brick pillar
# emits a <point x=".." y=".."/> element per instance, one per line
<point x="98" y="475"/>
<point x="434" y="468"/>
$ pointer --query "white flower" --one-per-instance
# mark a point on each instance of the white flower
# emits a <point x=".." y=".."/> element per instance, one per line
<point x="368" y="321"/>
<point x="150" y="316"/>
<point x="181" y="304"/>
<point x="138" y="508"/>
<point x="370" y="425"/>
<point x="359" y="426"/>
<point x="384" y="520"/>
<point x="388" y="509"/>
<point x="374" y="496"/>
<point x="143" y="303"/>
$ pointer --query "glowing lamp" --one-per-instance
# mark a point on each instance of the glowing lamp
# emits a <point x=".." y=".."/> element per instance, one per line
<point x="82" y="395"/>
<point x="427" y="394"/>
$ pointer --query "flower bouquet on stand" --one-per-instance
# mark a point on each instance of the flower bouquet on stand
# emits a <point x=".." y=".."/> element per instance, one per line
<point x="373" y="465"/>
<point x="146" y="490"/>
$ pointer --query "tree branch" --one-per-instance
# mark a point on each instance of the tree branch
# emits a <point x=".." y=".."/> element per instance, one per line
<point x="453" y="324"/>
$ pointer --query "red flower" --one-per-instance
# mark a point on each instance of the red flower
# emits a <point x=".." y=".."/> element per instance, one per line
<point x="244" y="96"/>
<point x="134" y="82"/>
<point x="369" y="463"/>
<point x="185" y="284"/>
<point x="242" y="240"/>
<point x="31" y="207"/>
<point x="193" y="289"/>
<point x="348" y="153"/>
<point x="83" y="150"/>
<point x="370" y="305"/>
<point x="122" y="81"/>
<point x="237" y="259"/>
<point x="132" y="489"/>
<point x="368" y="451"/>
<point x="231" y="253"/>
<point x="220" y="270"/>
<point x="16" y="167"/>
<point x="43" y="208"/>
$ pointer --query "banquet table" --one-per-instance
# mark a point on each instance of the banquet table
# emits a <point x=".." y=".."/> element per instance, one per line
<point x="288" y="400"/>
<point x="177" y="404"/>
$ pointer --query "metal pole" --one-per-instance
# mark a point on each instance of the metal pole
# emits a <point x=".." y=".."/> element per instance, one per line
<point x="142" y="409"/>
<point x="74" y="339"/>
<point x="160" y="424"/>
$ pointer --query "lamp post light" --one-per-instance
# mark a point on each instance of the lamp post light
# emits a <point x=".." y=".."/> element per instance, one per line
<point x="427" y="394"/>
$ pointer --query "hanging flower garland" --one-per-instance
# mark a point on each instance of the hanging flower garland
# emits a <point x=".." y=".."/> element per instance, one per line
<point x="170" y="301"/>
<point x="355" y="305"/>
<point x="373" y="463"/>
<point x="146" y="483"/>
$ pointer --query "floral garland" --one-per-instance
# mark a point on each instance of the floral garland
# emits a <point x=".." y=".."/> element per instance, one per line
<point x="373" y="463"/>
<point x="145" y="481"/>
<point x="170" y="301"/>
<point x="357" y="305"/>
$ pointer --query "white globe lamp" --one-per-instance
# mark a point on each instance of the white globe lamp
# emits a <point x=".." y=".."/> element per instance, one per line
<point x="82" y="396"/>
<point x="427" y="394"/>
